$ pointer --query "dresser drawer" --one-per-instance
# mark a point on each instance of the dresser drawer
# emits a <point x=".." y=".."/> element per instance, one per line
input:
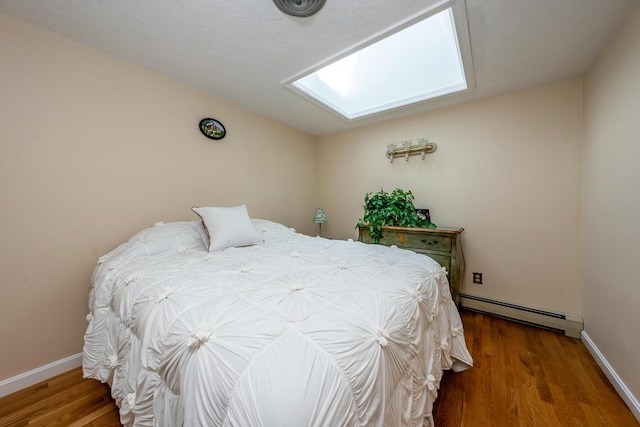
<point x="443" y="260"/>
<point x="430" y="242"/>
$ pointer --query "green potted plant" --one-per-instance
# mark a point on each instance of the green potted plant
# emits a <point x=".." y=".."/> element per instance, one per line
<point x="394" y="209"/>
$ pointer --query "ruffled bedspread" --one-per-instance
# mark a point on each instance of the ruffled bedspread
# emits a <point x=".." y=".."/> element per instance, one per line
<point x="297" y="331"/>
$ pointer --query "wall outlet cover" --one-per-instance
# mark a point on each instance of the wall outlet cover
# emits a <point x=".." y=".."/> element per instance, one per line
<point x="477" y="278"/>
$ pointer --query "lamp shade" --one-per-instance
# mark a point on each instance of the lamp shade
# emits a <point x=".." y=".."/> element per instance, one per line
<point x="319" y="217"/>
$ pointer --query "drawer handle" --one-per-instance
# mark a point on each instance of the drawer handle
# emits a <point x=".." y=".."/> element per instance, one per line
<point x="430" y="242"/>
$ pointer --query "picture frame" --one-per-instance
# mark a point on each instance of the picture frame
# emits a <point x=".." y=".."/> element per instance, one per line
<point x="423" y="214"/>
<point x="212" y="128"/>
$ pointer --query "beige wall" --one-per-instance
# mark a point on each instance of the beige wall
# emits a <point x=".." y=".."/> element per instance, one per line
<point x="611" y="203"/>
<point x="92" y="149"/>
<point x="507" y="170"/>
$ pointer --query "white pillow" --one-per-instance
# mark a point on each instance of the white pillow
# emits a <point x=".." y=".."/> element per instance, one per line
<point x="228" y="227"/>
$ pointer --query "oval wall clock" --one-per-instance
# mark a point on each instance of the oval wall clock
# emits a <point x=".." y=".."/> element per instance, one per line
<point x="211" y="128"/>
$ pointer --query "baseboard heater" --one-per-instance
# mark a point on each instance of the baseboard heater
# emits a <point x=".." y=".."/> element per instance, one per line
<point x="569" y="324"/>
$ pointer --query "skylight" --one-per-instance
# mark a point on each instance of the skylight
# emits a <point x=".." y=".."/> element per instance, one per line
<point x="420" y="62"/>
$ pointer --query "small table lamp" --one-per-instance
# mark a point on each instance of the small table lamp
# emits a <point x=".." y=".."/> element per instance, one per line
<point x="319" y="218"/>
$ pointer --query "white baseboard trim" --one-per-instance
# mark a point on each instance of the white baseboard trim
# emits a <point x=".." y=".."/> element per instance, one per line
<point x="42" y="373"/>
<point x="608" y="370"/>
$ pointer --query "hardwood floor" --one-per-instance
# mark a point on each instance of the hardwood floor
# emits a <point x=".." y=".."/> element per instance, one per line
<point x="64" y="400"/>
<point x="523" y="376"/>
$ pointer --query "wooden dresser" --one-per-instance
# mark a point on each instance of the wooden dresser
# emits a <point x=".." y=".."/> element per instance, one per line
<point x="441" y="244"/>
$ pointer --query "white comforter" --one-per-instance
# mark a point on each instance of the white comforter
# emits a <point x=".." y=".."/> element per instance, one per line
<point x="297" y="331"/>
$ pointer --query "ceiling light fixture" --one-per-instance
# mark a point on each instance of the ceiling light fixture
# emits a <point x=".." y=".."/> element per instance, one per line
<point x="299" y="8"/>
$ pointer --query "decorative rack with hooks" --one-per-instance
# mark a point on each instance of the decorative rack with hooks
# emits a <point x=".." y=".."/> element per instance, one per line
<point x="407" y="148"/>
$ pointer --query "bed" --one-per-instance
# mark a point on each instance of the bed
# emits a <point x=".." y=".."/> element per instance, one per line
<point x="290" y="330"/>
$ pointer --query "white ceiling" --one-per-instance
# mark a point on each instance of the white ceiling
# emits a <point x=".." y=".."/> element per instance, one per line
<point x="242" y="50"/>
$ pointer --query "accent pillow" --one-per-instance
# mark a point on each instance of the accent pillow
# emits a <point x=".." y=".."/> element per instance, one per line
<point x="228" y="227"/>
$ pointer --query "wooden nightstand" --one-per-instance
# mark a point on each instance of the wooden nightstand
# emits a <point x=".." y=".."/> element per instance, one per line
<point x="441" y="244"/>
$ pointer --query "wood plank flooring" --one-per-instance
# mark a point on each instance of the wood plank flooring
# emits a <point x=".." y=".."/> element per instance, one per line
<point x="523" y="376"/>
<point x="64" y="400"/>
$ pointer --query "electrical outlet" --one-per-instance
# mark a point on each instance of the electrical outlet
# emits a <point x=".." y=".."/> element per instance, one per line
<point x="477" y="278"/>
